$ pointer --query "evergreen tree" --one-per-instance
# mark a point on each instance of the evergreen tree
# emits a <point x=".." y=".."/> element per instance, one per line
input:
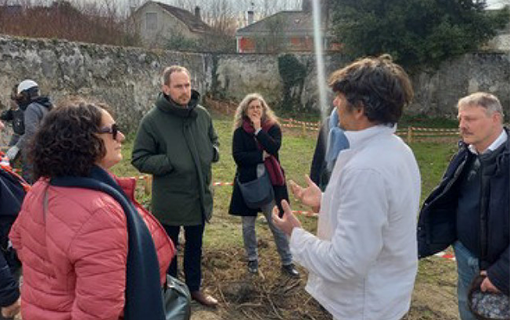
<point x="417" y="33"/>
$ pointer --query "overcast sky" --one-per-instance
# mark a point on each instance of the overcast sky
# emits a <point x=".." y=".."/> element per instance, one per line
<point x="241" y="5"/>
<point x="491" y="3"/>
<point x="497" y="3"/>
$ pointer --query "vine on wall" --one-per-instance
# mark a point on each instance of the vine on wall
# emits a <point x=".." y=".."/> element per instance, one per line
<point x="293" y="75"/>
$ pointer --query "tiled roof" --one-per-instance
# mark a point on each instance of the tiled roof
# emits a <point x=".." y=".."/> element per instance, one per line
<point x="194" y="24"/>
<point x="289" y="22"/>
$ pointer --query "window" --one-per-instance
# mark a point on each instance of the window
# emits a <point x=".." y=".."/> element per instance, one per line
<point x="151" y="21"/>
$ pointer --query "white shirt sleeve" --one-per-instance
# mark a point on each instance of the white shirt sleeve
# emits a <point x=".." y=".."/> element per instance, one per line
<point x="357" y="238"/>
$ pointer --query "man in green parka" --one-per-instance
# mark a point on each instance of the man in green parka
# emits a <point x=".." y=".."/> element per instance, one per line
<point x="176" y="143"/>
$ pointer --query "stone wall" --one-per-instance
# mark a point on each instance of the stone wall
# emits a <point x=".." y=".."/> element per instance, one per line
<point x="436" y="94"/>
<point x="237" y="75"/>
<point x="129" y="78"/>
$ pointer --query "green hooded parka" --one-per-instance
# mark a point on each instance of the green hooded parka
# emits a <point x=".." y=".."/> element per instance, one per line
<point x="177" y="146"/>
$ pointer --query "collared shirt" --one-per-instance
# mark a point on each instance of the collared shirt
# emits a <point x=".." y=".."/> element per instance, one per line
<point x="363" y="261"/>
<point x="494" y="145"/>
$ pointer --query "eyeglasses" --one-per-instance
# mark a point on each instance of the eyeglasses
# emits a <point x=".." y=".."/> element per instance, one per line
<point x="113" y="130"/>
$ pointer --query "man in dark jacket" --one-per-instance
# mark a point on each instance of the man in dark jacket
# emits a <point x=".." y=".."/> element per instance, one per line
<point x="318" y="172"/>
<point x="37" y="107"/>
<point x="176" y="143"/>
<point x="330" y="142"/>
<point x="470" y="208"/>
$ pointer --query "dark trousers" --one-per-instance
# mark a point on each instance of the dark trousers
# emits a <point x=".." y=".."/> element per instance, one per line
<point x="26" y="169"/>
<point x="192" y="254"/>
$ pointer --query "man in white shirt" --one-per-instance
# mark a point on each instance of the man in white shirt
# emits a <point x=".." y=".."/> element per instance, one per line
<point x="363" y="262"/>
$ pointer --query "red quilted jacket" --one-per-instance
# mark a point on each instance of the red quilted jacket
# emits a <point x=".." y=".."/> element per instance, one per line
<point x="74" y="259"/>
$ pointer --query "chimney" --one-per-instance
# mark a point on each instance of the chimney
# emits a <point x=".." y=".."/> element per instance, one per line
<point x="197" y="13"/>
<point x="250" y="16"/>
<point x="133" y="5"/>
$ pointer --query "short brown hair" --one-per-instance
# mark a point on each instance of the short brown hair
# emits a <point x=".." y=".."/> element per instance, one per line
<point x="379" y="85"/>
<point x="67" y="143"/>
<point x="165" y="76"/>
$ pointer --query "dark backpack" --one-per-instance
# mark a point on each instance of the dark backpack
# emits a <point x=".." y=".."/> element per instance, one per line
<point x="12" y="193"/>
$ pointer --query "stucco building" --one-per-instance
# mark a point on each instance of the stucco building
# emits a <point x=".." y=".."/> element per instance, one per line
<point x="285" y="31"/>
<point x="158" y="22"/>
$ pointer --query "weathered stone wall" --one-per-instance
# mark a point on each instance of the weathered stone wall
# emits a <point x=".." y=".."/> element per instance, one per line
<point x="129" y="78"/>
<point x="436" y="94"/>
<point x="237" y="75"/>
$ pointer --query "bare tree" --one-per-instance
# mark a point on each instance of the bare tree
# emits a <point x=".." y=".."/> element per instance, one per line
<point x="96" y="22"/>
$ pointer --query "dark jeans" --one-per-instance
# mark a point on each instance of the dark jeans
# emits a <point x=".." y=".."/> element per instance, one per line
<point x="26" y="169"/>
<point x="192" y="254"/>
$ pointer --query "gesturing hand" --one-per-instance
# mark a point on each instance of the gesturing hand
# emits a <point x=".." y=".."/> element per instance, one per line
<point x="288" y="221"/>
<point x="12" y="310"/>
<point x="309" y="196"/>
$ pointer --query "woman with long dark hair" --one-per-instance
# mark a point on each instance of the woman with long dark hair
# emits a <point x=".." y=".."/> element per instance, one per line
<point x="257" y="140"/>
<point x="77" y="243"/>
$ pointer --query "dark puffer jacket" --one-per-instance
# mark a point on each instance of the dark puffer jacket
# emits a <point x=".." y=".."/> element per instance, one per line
<point x="437" y="221"/>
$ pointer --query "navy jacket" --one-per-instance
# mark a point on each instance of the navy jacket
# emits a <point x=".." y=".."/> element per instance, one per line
<point x="318" y="171"/>
<point x="437" y="221"/>
<point x="11" y="197"/>
<point x="9" y="266"/>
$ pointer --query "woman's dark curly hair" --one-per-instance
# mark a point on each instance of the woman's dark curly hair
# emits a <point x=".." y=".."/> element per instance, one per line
<point x="378" y="85"/>
<point x="67" y="143"/>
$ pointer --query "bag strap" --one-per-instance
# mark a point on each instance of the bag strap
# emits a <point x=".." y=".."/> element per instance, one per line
<point x="45" y="203"/>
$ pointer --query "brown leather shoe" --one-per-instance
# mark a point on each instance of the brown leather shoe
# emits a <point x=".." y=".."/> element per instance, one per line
<point x="204" y="299"/>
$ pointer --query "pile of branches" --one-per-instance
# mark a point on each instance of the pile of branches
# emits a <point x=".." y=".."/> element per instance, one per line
<point x="267" y="295"/>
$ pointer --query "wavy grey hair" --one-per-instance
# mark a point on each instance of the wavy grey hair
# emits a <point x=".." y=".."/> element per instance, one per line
<point x="240" y="115"/>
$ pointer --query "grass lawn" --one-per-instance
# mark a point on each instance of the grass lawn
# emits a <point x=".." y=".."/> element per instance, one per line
<point x="224" y="256"/>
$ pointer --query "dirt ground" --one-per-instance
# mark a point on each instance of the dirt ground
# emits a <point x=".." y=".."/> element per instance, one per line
<point x="272" y="295"/>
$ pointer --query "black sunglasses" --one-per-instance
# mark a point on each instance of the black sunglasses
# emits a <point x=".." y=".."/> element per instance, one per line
<point x="114" y="130"/>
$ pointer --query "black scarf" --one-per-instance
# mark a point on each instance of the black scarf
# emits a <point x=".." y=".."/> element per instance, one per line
<point x="144" y="298"/>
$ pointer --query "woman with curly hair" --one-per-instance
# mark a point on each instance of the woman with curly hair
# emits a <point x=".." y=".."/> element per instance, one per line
<point x="89" y="250"/>
<point x="257" y="139"/>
